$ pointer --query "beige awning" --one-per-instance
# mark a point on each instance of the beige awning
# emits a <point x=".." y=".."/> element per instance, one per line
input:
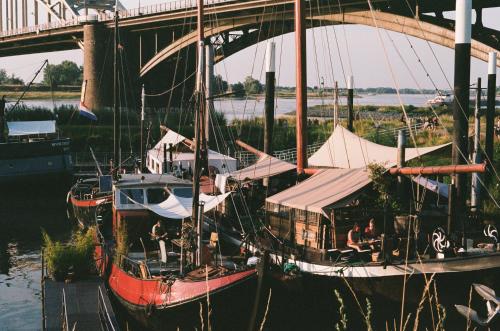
<point x="266" y="166"/>
<point x="346" y="150"/>
<point x="325" y="190"/>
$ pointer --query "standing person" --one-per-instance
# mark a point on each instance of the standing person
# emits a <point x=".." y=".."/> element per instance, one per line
<point x="497" y="128"/>
<point x="2" y="118"/>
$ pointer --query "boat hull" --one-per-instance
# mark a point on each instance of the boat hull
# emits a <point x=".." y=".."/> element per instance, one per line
<point x="84" y="211"/>
<point x="230" y="301"/>
<point x="384" y="289"/>
<point x="36" y="162"/>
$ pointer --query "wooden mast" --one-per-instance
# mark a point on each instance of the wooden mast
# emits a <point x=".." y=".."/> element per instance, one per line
<point x="301" y="85"/>
<point x="116" y="108"/>
<point x="199" y="137"/>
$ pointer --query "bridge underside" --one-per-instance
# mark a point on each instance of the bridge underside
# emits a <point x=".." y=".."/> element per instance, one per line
<point x="160" y="46"/>
<point x="230" y="36"/>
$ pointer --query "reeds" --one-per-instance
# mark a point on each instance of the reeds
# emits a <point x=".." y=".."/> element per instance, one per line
<point x="75" y="257"/>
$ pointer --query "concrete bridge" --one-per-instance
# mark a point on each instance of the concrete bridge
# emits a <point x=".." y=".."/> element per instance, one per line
<point x="158" y="41"/>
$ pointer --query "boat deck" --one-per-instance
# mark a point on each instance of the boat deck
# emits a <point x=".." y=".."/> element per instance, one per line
<point x="77" y="306"/>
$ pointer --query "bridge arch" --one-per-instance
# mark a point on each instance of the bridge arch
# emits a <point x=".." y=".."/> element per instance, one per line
<point x="436" y="30"/>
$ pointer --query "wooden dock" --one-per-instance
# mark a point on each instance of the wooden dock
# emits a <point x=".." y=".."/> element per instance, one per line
<point x="80" y="305"/>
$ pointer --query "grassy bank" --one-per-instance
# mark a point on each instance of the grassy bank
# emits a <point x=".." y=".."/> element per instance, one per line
<point x="42" y="95"/>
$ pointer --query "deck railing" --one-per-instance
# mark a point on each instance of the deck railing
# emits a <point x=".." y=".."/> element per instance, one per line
<point x="107" y="322"/>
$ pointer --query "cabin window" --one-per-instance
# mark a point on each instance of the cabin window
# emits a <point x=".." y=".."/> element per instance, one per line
<point x="131" y="196"/>
<point x="157" y="195"/>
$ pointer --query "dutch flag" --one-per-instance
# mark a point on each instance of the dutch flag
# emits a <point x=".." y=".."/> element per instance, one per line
<point x="85" y="111"/>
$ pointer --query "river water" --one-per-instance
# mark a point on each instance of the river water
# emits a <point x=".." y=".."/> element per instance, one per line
<point x="22" y="216"/>
<point x="248" y="108"/>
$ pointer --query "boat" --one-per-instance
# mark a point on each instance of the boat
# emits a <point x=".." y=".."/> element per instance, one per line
<point x="440" y="100"/>
<point x="168" y="282"/>
<point x="86" y="196"/>
<point x="158" y="284"/>
<point x="34" y="152"/>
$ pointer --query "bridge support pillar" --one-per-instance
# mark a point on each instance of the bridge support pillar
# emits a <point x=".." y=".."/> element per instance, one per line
<point x="96" y="80"/>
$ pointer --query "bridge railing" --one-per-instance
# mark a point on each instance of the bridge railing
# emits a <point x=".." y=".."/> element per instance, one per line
<point x="169" y="6"/>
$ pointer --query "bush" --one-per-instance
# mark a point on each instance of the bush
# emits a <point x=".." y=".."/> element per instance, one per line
<point x="75" y="257"/>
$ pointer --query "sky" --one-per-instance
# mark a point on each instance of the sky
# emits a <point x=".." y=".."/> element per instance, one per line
<point x="361" y="53"/>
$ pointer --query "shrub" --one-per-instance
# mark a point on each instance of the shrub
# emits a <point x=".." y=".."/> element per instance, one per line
<point x="77" y="256"/>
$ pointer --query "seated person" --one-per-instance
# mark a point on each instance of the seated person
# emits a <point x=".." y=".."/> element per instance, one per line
<point x="354" y="237"/>
<point x="370" y="230"/>
<point x="158" y="232"/>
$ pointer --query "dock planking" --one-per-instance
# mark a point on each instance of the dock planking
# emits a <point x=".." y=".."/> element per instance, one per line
<point x="84" y="310"/>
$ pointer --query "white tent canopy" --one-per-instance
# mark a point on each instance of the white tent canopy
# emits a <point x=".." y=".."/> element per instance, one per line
<point x="183" y="156"/>
<point x="325" y="190"/>
<point x="266" y="166"/>
<point x="177" y="207"/>
<point x="346" y="150"/>
<point x="26" y="128"/>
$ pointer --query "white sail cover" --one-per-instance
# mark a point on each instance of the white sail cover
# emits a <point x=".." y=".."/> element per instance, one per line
<point x="266" y="166"/>
<point x="432" y="185"/>
<point x="346" y="150"/>
<point x="183" y="156"/>
<point x="26" y="128"/>
<point x="177" y="207"/>
<point x="325" y="190"/>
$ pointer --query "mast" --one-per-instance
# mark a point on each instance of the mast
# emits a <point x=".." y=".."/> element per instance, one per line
<point x="475" y="199"/>
<point x="199" y="136"/>
<point x="143" y="110"/>
<point x="301" y="85"/>
<point x="116" y="108"/>
<point x="350" y="103"/>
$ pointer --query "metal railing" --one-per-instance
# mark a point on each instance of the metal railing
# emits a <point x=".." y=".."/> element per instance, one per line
<point x="107" y="322"/>
<point x="65" y="325"/>
<point x="170" y="6"/>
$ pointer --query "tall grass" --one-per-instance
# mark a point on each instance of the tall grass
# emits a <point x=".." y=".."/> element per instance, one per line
<point x="75" y="257"/>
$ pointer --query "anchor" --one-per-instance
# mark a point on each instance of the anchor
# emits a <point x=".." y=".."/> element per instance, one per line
<point x="492" y="306"/>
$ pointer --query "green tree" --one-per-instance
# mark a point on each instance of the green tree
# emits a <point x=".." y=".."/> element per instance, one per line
<point x="66" y="73"/>
<point x="220" y="85"/>
<point x="252" y="86"/>
<point x="238" y="89"/>
<point x="12" y="80"/>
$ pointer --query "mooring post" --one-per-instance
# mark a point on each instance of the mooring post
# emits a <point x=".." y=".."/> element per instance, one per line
<point x="401" y="163"/>
<point x="490" y="113"/>
<point x="475" y="200"/>
<point x="269" y="102"/>
<point x="350" y="103"/>
<point x="461" y="100"/>
<point x="262" y="270"/>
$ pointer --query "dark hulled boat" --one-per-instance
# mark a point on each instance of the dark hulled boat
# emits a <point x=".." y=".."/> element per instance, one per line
<point x="34" y="152"/>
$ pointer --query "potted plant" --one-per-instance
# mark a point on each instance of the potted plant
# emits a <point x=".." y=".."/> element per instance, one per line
<point x="383" y="185"/>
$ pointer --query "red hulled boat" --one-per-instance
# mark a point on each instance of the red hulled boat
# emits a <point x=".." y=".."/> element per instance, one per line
<point x="157" y="282"/>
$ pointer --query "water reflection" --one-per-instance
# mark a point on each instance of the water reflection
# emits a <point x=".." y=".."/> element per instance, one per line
<point x="22" y="215"/>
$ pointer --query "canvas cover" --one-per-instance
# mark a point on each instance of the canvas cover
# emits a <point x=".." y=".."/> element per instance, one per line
<point x="432" y="185"/>
<point x="325" y="190"/>
<point x="185" y="158"/>
<point x="26" y="128"/>
<point x="266" y="166"/>
<point x="179" y="207"/>
<point x="346" y="150"/>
